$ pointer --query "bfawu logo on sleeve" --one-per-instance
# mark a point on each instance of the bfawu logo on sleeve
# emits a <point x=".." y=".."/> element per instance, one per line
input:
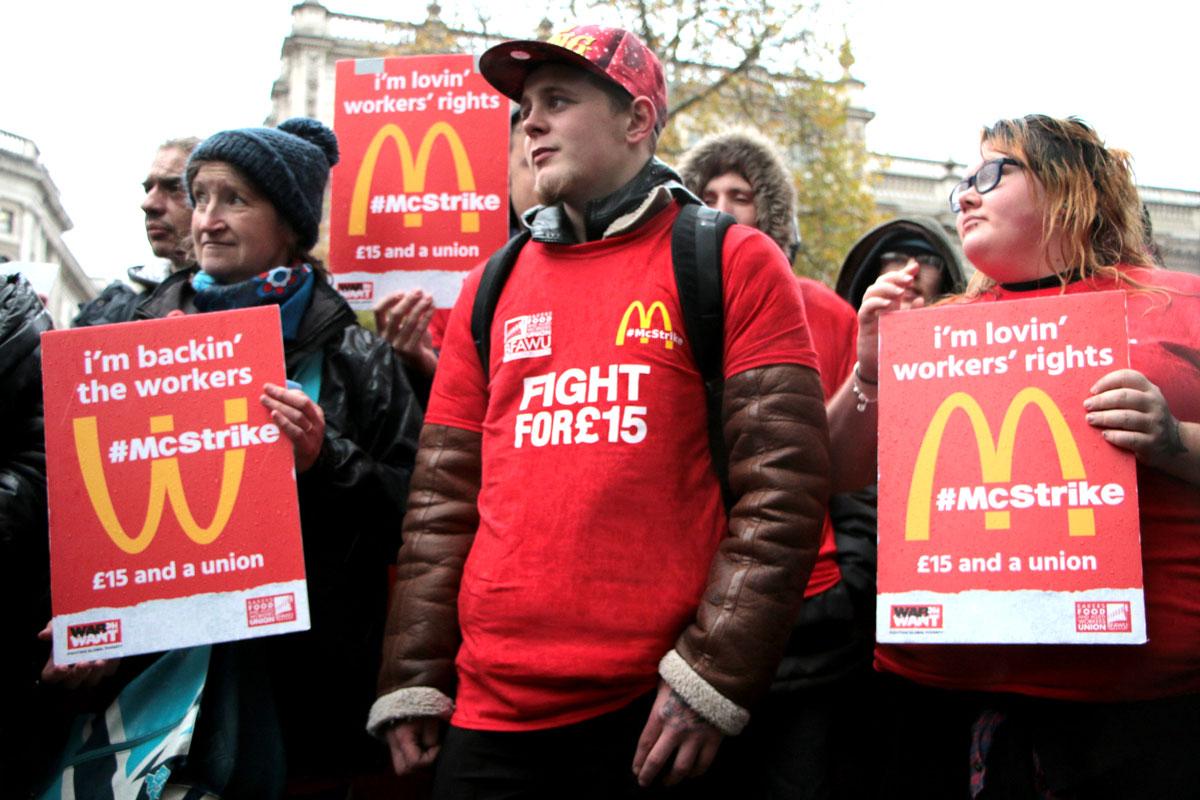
<point x="527" y="336"/>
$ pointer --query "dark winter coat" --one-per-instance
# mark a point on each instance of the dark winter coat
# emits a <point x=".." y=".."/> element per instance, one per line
<point x="24" y="546"/>
<point x="351" y="506"/>
<point x="117" y="302"/>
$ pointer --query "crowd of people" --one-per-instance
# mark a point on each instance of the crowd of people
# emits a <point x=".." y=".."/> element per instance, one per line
<point x="619" y="575"/>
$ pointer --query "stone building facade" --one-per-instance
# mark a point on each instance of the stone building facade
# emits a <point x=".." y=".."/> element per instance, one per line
<point x="32" y="222"/>
<point x="900" y="184"/>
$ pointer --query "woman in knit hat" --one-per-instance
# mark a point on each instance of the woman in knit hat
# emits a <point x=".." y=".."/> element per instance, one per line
<point x="349" y="412"/>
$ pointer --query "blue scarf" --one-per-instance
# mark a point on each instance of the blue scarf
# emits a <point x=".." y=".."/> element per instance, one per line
<point x="290" y="288"/>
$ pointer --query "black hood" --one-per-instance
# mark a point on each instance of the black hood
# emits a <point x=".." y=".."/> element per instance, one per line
<point x="861" y="267"/>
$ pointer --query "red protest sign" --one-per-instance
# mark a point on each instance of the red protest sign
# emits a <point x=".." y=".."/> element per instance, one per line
<point x="1003" y="516"/>
<point x="420" y="195"/>
<point x="173" y="513"/>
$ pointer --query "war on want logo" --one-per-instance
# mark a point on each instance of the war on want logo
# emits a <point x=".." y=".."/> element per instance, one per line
<point x="104" y="634"/>
<point x="1103" y="617"/>
<point x="527" y="336"/>
<point x="270" y="610"/>
<point x="917" y="617"/>
<point x="357" y="290"/>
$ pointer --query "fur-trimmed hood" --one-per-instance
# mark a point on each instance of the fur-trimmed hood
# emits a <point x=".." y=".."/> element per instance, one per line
<point x="750" y="155"/>
<point x="861" y="267"/>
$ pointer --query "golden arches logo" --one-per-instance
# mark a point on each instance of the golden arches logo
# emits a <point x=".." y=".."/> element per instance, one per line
<point x="994" y="459"/>
<point x="644" y="319"/>
<point x="414" y="170"/>
<point x="166" y="485"/>
<point x="577" y="43"/>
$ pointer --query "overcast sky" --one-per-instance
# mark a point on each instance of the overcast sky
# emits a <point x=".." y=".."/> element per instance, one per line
<point x="98" y="85"/>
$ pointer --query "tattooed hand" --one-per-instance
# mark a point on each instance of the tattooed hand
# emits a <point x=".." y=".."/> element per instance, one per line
<point x="674" y="730"/>
<point x="679" y="715"/>
<point x="1132" y="414"/>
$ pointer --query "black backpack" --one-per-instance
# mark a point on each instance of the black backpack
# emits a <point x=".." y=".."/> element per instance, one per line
<point x="696" y="240"/>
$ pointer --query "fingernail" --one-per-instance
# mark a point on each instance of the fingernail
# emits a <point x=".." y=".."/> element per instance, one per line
<point x="1092" y="419"/>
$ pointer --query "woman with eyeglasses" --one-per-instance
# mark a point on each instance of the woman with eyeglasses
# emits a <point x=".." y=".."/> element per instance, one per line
<point x="1050" y="210"/>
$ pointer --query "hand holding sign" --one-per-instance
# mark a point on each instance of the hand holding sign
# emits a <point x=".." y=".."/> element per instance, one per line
<point x="1133" y="415"/>
<point x="300" y="419"/>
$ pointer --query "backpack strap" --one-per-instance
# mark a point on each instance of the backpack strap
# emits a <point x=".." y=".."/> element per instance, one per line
<point x="495" y="275"/>
<point x="696" y="242"/>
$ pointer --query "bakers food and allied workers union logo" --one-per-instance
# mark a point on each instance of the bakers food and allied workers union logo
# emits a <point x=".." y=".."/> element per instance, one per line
<point x="528" y="336"/>
<point x="638" y="323"/>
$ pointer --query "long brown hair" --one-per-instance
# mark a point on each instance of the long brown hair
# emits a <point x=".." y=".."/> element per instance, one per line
<point x="1088" y="194"/>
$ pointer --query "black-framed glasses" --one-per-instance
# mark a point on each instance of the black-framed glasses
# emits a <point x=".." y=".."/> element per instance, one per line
<point x="895" y="259"/>
<point x="986" y="179"/>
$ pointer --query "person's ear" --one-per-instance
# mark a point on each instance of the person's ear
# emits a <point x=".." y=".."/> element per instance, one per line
<point x="642" y="117"/>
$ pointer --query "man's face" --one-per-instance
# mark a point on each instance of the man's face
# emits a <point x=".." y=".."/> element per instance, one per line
<point x="168" y="216"/>
<point x="574" y="142"/>
<point x="734" y="195"/>
<point x="520" y="176"/>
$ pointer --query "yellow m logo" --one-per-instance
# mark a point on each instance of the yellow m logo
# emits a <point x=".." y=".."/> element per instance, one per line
<point x="644" y="318"/>
<point x="414" y="171"/>
<point x="994" y="459"/>
<point x="166" y="485"/>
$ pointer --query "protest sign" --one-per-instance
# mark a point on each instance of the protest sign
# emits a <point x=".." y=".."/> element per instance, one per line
<point x="1003" y="516"/>
<point x="173" y="513"/>
<point x="420" y="195"/>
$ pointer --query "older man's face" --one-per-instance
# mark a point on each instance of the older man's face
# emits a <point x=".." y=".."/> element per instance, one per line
<point x="168" y="215"/>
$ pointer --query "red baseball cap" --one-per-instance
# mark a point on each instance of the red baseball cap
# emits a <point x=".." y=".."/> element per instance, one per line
<point x="614" y="54"/>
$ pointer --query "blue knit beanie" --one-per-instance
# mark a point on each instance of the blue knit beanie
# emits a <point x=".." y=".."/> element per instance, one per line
<point x="289" y="165"/>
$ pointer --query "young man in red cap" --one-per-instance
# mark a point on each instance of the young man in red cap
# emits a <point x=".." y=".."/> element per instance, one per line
<point x="572" y="595"/>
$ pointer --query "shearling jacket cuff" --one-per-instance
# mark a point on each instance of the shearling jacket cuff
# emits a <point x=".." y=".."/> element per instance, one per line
<point x="728" y="717"/>
<point x="414" y="701"/>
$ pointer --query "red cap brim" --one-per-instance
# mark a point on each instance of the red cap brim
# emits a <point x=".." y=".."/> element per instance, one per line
<point x="506" y="66"/>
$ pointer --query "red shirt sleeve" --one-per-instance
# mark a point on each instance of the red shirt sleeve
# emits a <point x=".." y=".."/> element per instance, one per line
<point x="764" y="315"/>
<point x="459" y="394"/>
<point x="833" y="326"/>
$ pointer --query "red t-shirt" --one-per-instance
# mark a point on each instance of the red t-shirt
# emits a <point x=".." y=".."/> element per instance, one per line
<point x="1164" y="344"/>
<point x="599" y="510"/>
<point x="833" y="326"/>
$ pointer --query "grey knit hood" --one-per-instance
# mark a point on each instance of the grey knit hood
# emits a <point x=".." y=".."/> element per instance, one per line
<point x="750" y="155"/>
<point x="861" y="267"/>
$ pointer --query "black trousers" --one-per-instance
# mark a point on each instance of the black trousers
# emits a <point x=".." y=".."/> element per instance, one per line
<point x="591" y="760"/>
<point x="1038" y="749"/>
